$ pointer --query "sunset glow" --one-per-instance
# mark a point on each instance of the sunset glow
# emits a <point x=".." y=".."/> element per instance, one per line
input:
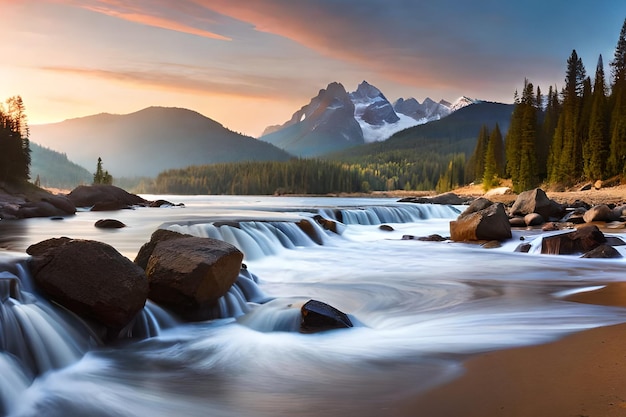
<point x="250" y="64"/>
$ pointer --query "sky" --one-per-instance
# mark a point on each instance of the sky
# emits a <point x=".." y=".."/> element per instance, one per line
<point x="249" y="64"/>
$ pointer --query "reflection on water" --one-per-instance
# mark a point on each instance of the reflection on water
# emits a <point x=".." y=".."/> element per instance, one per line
<point x="418" y="309"/>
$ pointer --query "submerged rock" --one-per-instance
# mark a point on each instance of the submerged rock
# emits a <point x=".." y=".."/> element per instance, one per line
<point x="109" y="224"/>
<point x="318" y="316"/>
<point x="603" y="251"/>
<point x="90" y="278"/>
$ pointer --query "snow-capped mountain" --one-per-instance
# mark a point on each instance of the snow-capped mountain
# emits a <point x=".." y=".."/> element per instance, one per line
<point x="326" y="124"/>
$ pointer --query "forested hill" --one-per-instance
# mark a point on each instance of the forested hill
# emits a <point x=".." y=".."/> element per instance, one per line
<point x="149" y="141"/>
<point x="456" y="133"/>
<point x="54" y="169"/>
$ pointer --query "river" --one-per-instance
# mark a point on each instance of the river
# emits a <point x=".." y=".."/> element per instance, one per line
<point x="419" y="308"/>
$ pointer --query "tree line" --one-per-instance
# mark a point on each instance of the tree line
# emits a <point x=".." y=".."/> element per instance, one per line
<point x="14" y="141"/>
<point x="566" y="137"/>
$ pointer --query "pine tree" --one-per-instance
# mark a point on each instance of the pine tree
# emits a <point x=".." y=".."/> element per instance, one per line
<point x="101" y="176"/>
<point x="494" y="160"/>
<point x="566" y="150"/>
<point x="521" y="150"/>
<point x="14" y="141"/>
<point x="596" y="149"/>
<point x="475" y="167"/>
<point x="617" y="156"/>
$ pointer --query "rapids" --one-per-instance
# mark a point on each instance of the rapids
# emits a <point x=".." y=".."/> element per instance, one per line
<point x="419" y="309"/>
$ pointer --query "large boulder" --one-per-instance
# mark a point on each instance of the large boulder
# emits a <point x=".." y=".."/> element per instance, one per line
<point x="104" y="197"/>
<point x="536" y="201"/>
<point x="189" y="274"/>
<point x="581" y="240"/>
<point x="90" y="278"/>
<point x="482" y="220"/>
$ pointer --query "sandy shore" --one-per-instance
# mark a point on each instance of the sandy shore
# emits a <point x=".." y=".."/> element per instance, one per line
<point x="581" y="375"/>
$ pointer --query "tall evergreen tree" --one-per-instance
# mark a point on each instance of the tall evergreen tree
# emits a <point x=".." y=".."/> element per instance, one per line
<point x="475" y="167"/>
<point x="14" y="141"/>
<point x="550" y="120"/>
<point x="617" y="156"/>
<point x="494" y="160"/>
<point x="566" y="150"/>
<point x="522" y="140"/>
<point x="596" y="149"/>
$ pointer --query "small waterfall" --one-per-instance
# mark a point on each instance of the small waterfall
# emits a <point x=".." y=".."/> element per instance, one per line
<point x="405" y="213"/>
<point x="241" y="296"/>
<point x="256" y="239"/>
<point x="149" y="322"/>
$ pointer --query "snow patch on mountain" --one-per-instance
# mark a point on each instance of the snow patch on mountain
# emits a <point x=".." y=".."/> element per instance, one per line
<point x="379" y="133"/>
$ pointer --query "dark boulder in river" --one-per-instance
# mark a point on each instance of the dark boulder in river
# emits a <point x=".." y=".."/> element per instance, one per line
<point x="104" y="197"/>
<point x="90" y="278"/>
<point x="189" y="274"/>
<point x="318" y="316"/>
<point x="536" y="201"/>
<point x="109" y="224"/>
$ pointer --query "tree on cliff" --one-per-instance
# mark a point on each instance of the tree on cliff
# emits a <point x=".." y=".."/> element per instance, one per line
<point x="14" y="142"/>
<point x="101" y="176"/>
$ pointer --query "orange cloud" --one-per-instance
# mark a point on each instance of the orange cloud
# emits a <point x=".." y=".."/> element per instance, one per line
<point x="248" y="86"/>
<point x="150" y="16"/>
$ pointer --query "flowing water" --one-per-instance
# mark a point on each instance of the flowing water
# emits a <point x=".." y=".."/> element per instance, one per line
<point x="419" y="309"/>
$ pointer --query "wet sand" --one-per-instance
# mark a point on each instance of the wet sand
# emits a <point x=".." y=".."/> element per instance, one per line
<point x="581" y="375"/>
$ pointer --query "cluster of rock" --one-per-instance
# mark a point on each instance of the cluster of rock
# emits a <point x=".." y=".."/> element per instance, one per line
<point x="484" y="220"/>
<point x="94" y="197"/>
<point x="185" y="274"/>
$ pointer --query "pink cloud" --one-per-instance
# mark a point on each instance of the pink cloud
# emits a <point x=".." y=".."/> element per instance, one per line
<point x="154" y="13"/>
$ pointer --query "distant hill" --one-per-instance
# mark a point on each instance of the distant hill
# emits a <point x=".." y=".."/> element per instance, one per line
<point x="456" y="133"/>
<point x="150" y="141"/>
<point x="55" y="170"/>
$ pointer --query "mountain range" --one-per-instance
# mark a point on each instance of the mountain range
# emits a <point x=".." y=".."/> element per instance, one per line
<point x="335" y="119"/>
<point x="151" y="140"/>
<point x="334" y="124"/>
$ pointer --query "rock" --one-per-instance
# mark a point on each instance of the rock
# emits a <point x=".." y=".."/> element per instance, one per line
<point x="598" y="184"/>
<point x="523" y="248"/>
<point x="599" y="213"/>
<point x="603" y="251"/>
<point x="109" y="224"/>
<point x="533" y="219"/>
<point x="104" y="197"/>
<point x="62" y="203"/>
<point x="550" y="227"/>
<point x="159" y="235"/>
<point x="310" y="231"/>
<point x="386" y="228"/>
<point x="536" y="201"/>
<point x="445" y="198"/>
<point x="318" y="316"/>
<point x="91" y="279"/>
<point x="499" y="191"/>
<point x="614" y="241"/>
<point x="429" y="238"/>
<point x="329" y="225"/>
<point x="490" y="223"/>
<point x="189" y="274"/>
<point x="586" y="187"/>
<point x="581" y="240"/>
<point x="517" y="221"/>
